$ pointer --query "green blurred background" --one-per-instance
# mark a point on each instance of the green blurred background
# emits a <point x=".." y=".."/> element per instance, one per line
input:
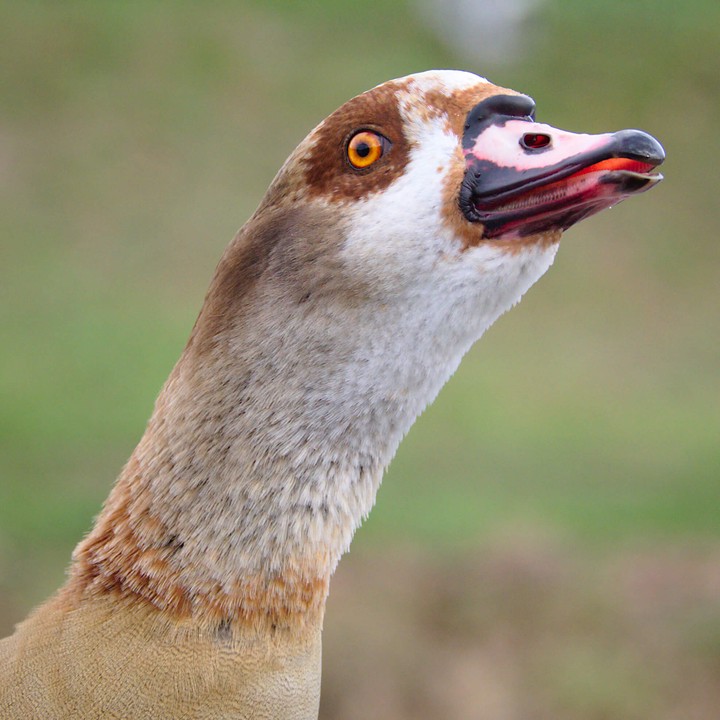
<point x="547" y="542"/>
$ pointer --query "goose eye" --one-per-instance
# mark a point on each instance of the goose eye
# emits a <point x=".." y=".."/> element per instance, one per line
<point x="366" y="148"/>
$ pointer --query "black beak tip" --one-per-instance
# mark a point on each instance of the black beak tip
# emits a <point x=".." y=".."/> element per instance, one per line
<point x="639" y="145"/>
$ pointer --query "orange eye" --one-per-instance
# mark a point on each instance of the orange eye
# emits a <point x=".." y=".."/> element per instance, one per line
<point x="366" y="148"/>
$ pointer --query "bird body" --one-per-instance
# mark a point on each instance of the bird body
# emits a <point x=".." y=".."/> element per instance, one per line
<point x="107" y="657"/>
<point x="389" y="241"/>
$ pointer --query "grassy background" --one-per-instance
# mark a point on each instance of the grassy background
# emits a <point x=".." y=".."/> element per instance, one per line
<point x="136" y="137"/>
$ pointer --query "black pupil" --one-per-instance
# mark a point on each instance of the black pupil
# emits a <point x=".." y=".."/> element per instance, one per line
<point x="362" y="149"/>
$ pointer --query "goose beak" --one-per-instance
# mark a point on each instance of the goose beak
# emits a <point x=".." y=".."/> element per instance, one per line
<point x="524" y="177"/>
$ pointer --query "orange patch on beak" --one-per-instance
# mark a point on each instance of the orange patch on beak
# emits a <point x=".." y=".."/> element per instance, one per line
<point x="616" y="164"/>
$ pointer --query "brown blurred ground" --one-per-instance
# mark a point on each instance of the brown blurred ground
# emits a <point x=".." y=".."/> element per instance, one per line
<point x="525" y="629"/>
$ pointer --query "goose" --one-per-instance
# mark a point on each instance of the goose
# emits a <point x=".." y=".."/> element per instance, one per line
<point x="394" y="235"/>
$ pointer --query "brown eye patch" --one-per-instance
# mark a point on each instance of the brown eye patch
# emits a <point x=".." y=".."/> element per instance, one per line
<point x="329" y="170"/>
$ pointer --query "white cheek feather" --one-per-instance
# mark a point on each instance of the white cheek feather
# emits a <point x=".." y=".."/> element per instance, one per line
<point x="396" y="235"/>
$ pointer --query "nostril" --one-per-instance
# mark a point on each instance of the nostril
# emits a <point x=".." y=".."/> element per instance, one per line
<point x="535" y="141"/>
